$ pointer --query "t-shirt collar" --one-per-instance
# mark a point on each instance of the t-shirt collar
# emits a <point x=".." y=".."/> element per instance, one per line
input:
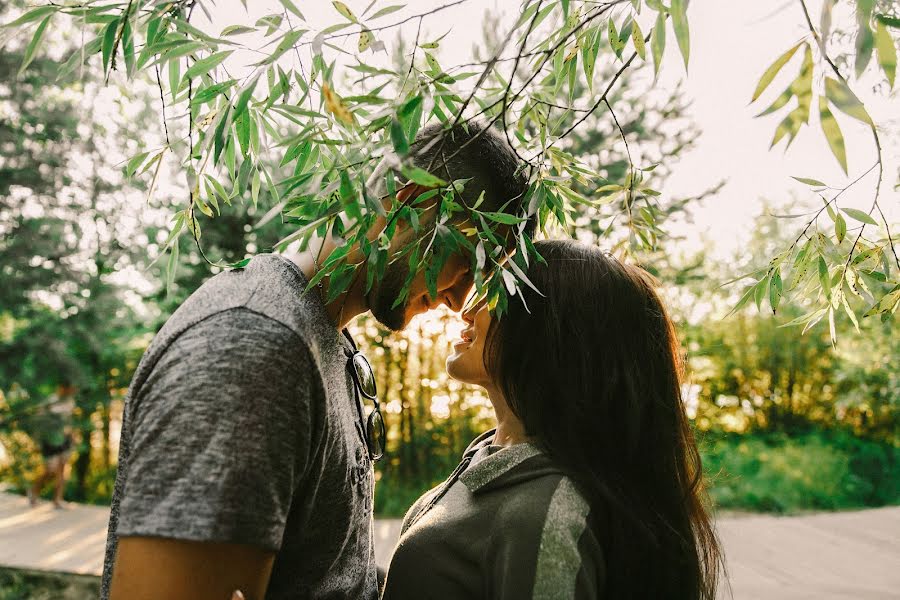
<point x="495" y="465"/>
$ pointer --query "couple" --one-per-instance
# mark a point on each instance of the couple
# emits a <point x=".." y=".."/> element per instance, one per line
<point x="246" y="461"/>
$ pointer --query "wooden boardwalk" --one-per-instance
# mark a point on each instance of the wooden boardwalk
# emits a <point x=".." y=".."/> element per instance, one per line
<point x="821" y="556"/>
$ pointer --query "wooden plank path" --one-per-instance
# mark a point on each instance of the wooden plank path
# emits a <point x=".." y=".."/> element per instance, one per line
<point x="821" y="556"/>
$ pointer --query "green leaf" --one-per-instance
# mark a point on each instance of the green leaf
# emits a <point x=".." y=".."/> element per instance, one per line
<point x="237" y="30"/>
<point x="244" y="97"/>
<point x="859" y="215"/>
<point x="589" y="57"/>
<point x="833" y="134"/>
<point x="211" y="92"/>
<point x="409" y="107"/>
<point x="614" y="42"/>
<point x="849" y="312"/>
<point x="344" y="10"/>
<point x="887" y="304"/>
<point x="772" y="71"/>
<point x="205" y="65"/>
<point x="803" y="319"/>
<point x="845" y="100"/>
<point x="759" y="292"/>
<point x="152" y="31"/>
<point x="808" y="181"/>
<point x="865" y="42"/>
<point x="682" y="33"/>
<point x="287" y="42"/>
<point x="295" y="151"/>
<point x="172" y="268"/>
<point x="658" y="41"/>
<point x="779" y="103"/>
<point x="893" y="22"/>
<point x="34" y="44"/>
<point x="637" y="36"/>
<point x="135" y="162"/>
<point x="840" y="228"/>
<point x="254" y="188"/>
<point x="775" y="290"/>
<point x="32" y="15"/>
<point x="422" y="177"/>
<point x="291" y="7"/>
<point x="504" y="218"/>
<point x="128" y="49"/>
<point x="790" y="125"/>
<point x="75" y="59"/>
<point x="387" y="10"/>
<point x="174" y="75"/>
<point x="109" y="39"/>
<point x="365" y="40"/>
<point x="824" y="278"/>
<point x="398" y="138"/>
<point x="887" y="52"/>
<point x="745" y="297"/>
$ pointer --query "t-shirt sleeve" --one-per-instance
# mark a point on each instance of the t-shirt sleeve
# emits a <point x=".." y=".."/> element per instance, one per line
<point x="222" y="432"/>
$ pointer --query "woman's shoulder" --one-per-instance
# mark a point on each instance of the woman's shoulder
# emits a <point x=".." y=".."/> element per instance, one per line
<point x="548" y="500"/>
<point x="545" y="528"/>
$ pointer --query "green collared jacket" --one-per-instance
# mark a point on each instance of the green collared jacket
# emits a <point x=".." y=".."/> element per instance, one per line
<point x="508" y="525"/>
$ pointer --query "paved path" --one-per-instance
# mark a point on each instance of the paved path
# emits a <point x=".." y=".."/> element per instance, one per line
<point x="823" y="556"/>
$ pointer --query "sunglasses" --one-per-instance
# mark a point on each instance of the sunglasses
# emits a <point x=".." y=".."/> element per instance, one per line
<point x="364" y="382"/>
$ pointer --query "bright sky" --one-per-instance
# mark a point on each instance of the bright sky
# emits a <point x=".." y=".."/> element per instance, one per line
<point x="732" y="43"/>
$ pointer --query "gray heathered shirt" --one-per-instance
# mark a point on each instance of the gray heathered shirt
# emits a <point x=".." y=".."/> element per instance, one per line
<point x="241" y="426"/>
<point x="506" y="525"/>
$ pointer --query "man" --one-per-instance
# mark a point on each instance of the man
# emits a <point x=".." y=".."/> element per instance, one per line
<point x="244" y="460"/>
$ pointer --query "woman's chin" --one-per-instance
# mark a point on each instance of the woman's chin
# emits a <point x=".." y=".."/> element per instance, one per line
<point x="455" y="367"/>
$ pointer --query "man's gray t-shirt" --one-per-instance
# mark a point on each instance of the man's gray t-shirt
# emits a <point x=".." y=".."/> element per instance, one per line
<point x="241" y="425"/>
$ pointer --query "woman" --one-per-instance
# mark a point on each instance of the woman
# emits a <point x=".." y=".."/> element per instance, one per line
<point x="590" y="486"/>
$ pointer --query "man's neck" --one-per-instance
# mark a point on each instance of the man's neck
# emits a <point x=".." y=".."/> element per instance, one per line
<point x="350" y="303"/>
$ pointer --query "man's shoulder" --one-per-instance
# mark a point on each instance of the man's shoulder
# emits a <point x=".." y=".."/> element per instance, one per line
<point x="266" y="298"/>
<point x="269" y="286"/>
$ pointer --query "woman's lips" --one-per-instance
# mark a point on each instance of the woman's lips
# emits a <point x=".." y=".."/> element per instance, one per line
<point x="466" y="337"/>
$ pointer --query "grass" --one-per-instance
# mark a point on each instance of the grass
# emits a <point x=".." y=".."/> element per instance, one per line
<point x="761" y="472"/>
<point x="23" y="584"/>
<point x="817" y="470"/>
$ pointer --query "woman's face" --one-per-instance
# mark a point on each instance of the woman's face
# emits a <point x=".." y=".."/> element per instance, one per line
<point x="466" y="364"/>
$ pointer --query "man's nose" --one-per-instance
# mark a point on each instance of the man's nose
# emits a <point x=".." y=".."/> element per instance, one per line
<point x="455" y="297"/>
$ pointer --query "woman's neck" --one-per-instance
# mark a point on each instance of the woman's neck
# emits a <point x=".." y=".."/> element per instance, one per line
<point x="510" y="430"/>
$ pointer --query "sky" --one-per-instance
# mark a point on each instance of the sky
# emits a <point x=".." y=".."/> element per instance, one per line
<point x="732" y="43"/>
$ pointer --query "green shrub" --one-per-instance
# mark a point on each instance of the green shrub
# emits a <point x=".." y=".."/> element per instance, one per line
<point x="819" y="470"/>
<point x="22" y="584"/>
<point x="393" y="498"/>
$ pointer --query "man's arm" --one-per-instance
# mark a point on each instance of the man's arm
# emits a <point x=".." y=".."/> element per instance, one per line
<point x="219" y="443"/>
<point x="181" y="570"/>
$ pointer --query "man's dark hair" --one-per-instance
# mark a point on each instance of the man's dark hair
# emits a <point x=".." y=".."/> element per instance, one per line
<point x="476" y="151"/>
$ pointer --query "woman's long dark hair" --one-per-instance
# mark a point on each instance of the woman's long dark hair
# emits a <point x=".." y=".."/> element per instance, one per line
<point x="593" y="371"/>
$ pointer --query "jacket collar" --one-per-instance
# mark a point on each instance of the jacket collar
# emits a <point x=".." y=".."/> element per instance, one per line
<point x="507" y="466"/>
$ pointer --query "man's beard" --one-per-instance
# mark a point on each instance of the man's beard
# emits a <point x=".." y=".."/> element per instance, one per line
<point x="385" y="292"/>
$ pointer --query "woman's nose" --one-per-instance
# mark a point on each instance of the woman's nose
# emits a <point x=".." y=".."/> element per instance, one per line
<point x="468" y="315"/>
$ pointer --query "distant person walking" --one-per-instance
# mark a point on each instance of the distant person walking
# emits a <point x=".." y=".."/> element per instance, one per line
<point x="53" y="433"/>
